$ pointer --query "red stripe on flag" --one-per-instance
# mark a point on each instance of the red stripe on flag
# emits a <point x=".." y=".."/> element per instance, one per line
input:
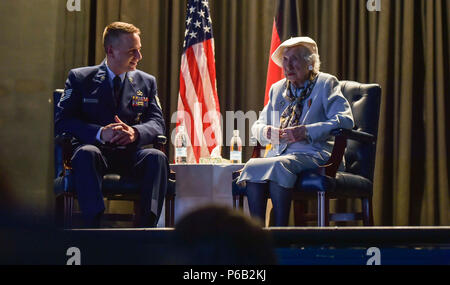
<point x="207" y="45"/>
<point x="190" y="128"/>
<point x="198" y="85"/>
<point x="274" y="72"/>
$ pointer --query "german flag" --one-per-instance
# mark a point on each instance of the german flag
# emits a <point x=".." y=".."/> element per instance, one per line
<point x="286" y="24"/>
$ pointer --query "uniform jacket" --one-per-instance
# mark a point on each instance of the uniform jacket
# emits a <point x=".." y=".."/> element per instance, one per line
<point x="324" y="110"/>
<point x="88" y="104"/>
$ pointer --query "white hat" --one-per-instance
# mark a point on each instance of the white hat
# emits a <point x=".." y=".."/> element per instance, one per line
<point x="307" y="42"/>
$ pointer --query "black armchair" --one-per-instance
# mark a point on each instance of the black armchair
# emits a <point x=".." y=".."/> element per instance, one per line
<point x="356" y="180"/>
<point x="114" y="187"/>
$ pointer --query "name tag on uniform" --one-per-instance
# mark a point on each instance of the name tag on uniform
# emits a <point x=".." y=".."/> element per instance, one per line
<point x="90" y="100"/>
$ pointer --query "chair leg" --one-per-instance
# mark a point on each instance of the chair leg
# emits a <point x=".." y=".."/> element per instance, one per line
<point x="367" y="211"/>
<point x="238" y="202"/>
<point x="172" y="212"/>
<point x="169" y="213"/>
<point x="322" y="209"/>
<point x="299" y="212"/>
<point x="59" y="211"/>
<point x="68" y="210"/>
<point x="137" y="213"/>
<point x="241" y="202"/>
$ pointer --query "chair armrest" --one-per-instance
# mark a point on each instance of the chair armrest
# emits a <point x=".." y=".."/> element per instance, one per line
<point x="237" y="173"/>
<point x="354" y="135"/>
<point x="257" y="150"/>
<point x="340" y="143"/>
<point x="63" y="138"/>
<point x="160" y="142"/>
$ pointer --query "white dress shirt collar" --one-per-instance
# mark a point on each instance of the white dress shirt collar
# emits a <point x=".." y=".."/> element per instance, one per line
<point x="111" y="74"/>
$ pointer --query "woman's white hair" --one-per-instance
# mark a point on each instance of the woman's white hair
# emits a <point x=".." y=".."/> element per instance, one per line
<point x="311" y="58"/>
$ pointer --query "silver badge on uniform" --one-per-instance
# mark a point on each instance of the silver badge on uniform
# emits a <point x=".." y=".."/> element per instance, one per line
<point x="90" y="100"/>
<point x="138" y="118"/>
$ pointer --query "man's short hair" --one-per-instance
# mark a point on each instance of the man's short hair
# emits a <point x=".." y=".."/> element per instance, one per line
<point x="113" y="31"/>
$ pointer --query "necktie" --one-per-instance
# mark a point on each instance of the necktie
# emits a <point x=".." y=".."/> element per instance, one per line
<point x="116" y="83"/>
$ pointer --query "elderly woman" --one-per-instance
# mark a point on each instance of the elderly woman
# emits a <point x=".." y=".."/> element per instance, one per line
<point x="302" y="110"/>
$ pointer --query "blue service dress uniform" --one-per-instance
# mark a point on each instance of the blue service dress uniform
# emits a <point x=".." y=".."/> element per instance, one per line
<point x="87" y="105"/>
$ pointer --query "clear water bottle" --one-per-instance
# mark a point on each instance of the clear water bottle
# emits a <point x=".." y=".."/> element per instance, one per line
<point x="181" y="146"/>
<point x="236" y="148"/>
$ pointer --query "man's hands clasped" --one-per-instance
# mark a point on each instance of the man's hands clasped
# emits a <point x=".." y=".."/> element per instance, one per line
<point x="119" y="133"/>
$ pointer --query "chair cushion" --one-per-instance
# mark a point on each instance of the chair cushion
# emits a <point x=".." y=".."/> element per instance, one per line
<point x="116" y="184"/>
<point x="344" y="185"/>
<point x="312" y="181"/>
<point x="351" y="185"/>
<point x="112" y="184"/>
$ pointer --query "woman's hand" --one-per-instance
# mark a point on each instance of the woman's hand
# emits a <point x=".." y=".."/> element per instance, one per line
<point x="293" y="134"/>
<point x="273" y="135"/>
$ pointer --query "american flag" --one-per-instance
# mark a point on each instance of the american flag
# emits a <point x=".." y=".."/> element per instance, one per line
<point x="198" y="104"/>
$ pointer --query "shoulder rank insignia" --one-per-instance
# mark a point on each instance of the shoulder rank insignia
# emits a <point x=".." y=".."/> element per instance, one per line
<point x="66" y="95"/>
<point x="158" y="102"/>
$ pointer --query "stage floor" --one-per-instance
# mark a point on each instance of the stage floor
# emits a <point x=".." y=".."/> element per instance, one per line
<point x="300" y="245"/>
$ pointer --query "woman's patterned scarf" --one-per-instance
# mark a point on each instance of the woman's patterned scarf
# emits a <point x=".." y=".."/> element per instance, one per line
<point x="291" y="115"/>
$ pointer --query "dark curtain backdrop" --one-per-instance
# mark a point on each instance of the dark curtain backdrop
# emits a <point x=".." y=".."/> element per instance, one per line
<point x="404" y="48"/>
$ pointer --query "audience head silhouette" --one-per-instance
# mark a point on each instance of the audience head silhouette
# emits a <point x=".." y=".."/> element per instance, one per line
<point x="217" y="235"/>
